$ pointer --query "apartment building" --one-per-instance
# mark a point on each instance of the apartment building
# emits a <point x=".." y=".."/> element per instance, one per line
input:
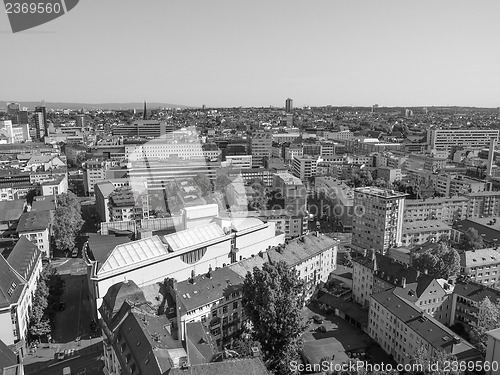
<point x="482" y="265"/>
<point x="446" y="210"/>
<point x="336" y="200"/>
<point x="261" y="144"/>
<point x="378" y="219"/>
<point x="286" y="222"/>
<point x="444" y="139"/>
<point x="483" y="203"/>
<point x="161" y="149"/>
<point x="93" y="172"/>
<point x="304" y="167"/>
<point x="124" y="205"/>
<point x="420" y="232"/>
<point x="375" y="273"/>
<point x="389" y="174"/>
<point x="239" y="161"/>
<point x="450" y="185"/>
<point x="487" y="227"/>
<point x="36" y="227"/>
<point x="401" y="328"/>
<point x="293" y="191"/>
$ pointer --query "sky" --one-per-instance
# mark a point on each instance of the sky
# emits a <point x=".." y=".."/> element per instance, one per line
<point x="231" y="53"/>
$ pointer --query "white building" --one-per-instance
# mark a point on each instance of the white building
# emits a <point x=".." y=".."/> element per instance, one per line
<point x="304" y="167"/>
<point x="35" y="226"/>
<point x="444" y="139"/>
<point x="238" y="161"/>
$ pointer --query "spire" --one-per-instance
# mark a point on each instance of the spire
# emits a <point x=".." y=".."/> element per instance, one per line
<point x="144" y="113"/>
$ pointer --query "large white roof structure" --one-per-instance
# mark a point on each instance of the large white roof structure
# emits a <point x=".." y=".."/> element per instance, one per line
<point x="194" y="237"/>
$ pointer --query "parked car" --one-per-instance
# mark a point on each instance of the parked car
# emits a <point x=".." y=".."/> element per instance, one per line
<point x="317" y="319"/>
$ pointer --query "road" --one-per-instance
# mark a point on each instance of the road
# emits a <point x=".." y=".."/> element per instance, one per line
<point x="89" y="364"/>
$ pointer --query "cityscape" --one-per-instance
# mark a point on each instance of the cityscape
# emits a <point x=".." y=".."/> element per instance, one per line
<point x="280" y="188"/>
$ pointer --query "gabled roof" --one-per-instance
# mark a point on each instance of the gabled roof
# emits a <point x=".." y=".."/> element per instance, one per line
<point x="195" y="236"/>
<point x="199" y="344"/>
<point x="476" y="292"/>
<point x="24" y="257"/>
<point x="11" y="284"/>
<point x="388" y="269"/>
<point x="133" y="253"/>
<point x="297" y="250"/>
<point x="34" y="221"/>
<point x="11" y="210"/>
<point x="120" y="292"/>
<point x="7" y="357"/>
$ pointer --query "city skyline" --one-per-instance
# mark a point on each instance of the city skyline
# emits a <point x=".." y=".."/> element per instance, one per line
<point x="223" y="54"/>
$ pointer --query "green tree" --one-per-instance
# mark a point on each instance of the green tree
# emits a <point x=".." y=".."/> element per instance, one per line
<point x="40" y="328"/>
<point x="432" y="365"/>
<point x="243" y="346"/>
<point x="67" y="221"/>
<point x="273" y="298"/>
<point x="471" y="240"/>
<point x="488" y="318"/>
<point x="441" y="261"/>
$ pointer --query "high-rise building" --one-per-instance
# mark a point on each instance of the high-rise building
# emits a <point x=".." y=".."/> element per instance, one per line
<point x="80" y="121"/>
<point x="378" y="219"/>
<point x="261" y="145"/>
<point x="13" y="109"/>
<point x="288" y="105"/>
<point x="41" y="122"/>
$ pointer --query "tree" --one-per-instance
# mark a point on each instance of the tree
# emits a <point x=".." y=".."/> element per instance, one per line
<point x="244" y="346"/>
<point x="261" y="198"/>
<point x="488" y="318"/>
<point x="433" y="365"/>
<point x="204" y="183"/>
<point x="471" y="240"/>
<point x="40" y="328"/>
<point x="67" y="221"/>
<point x="273" y="298"/>
<point x="441" y="261"/>
<point x="347" y="259"/>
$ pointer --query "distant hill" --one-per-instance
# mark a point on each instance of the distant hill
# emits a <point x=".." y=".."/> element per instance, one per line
<point x="112" y="106"/>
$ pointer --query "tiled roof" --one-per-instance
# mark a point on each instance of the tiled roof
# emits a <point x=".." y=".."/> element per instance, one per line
<point x="121" y="292"/>
<point x="133" y="253"/>
<point x="34" y="221"/>
<point x="24" y="257"/>
<point x="46" y="203"/>
<point x="388" y="269"/>
<point x="195" y="236"/>
<point x="7" y="357"/>
<point x="11" y="284"/>
<point x="200" y="344"/>
<point x="297" y="251"/>
<point x="476" y="292"/>
<point x="249" y="366"/>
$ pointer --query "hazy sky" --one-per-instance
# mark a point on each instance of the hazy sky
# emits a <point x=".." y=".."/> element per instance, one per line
<point x="258" y="53"/>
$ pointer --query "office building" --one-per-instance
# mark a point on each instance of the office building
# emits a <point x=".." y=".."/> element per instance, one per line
<point x="261" y="145"/>
<point x="162" y="149"/>
<point x="144" y="129"/>
<point x="304" y="167"/>
<point x="378" y="219"/>
<point x="288" y="105"/>
<point x="41" y="125"/>
<point x="444" y="139"/>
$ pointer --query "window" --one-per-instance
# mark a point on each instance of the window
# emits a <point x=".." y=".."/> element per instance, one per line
<point x="214" y="314"/>
<point x="235" y="305"/>
<point x="224" y="309"/>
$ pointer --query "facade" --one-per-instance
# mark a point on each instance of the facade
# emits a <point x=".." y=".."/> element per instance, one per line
<point x="41" y="122"/>
<point x="261" y="144"/>
<point x="336" y="200"/>
<point x="418" y="233"/>
<point x="285" y="137"/>
<point x="304" y="167"/>
<point x="447" y="210"/>
<point x="444" y="139"/>
<point x="483" y="266"/>
<point x="124" y="205"/>
<point x="286" y="222"/>
<point x="239" y="161"/>
<point x="143" y="129"/>
<point x="402" y="328"/>
<point x="450" y="185"/>
<point x="57" y="186"/>
<point x="93" y="172"/>
<point x="161" y="148"/>
<point x="293" y="191"/>
<point x="36" y="227"/>
<point x="483" y="203"/>
<point x="288" y="105"/>
<point x="378" y="219"/>
<point x="389" y="174"/>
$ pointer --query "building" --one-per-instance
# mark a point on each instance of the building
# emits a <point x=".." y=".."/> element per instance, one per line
<point x="93" y="172"/>
<point x="20" y="274"/>
<point x="444" y="139"/>
<point x="304" y="167"/>
<point x="285" y="137"/>
<point x="161" y="148"/>
<point x="288" y="105"/>
<point x="447" y="210"/>
<point x="286" y="222"/>
<point x="488" y="228"/>
<point x="136" y="339"/>
<point x="10" y="363"/>
<point x="483" y="203"/>
<point x="378" y="219"/>
<point x="482" y="266"/>
<point x="102" y="192"/>
<point x="41" y="126"/>
<point x="10" y="213"/>
<point x="56" y="186"/>
<point x="493" y="351"/>
<point x="336" y="200"/>
<point x="36" y="227"/>
<point x="401" y="328"/>
<point x="125" y="205"/>
<point x="239" y="161"/>
<point x="389" y="174"/>
<point x="313" y="257"/>
<point x="420" y="232"/>
<point x="450" y="185"/>
<point x="375" y="273"/>
<point x="292" y="191"/>
<point x="152" y="259"/>
<point x="143" y="129"/>
<point x="261" y="145"/>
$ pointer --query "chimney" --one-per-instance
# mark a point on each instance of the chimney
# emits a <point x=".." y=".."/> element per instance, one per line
<point x="255" y="351"/>
<point x="261" y="254"/>
<point x="192" y="280"/>
<point x="403" y="282"/>
<point x="209" y="274"/>
<point x="491" y="154"/>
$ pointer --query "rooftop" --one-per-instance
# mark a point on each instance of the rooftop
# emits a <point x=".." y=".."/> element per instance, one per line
<point x="474" y="258"/>
<point x="11" y="284"/>
<point x="425" y="226"/>
<point x="23" y="258"/>
<point x="382" y="193"/>
<point x="11" y="210"/>
<point x="193" y="237"/>
<point x="247" y="366"/>
<point x="476" y="292"/>
<point x="34" y="221"/>
<point x="105" y="187"/>
<point x="289" y="179"/>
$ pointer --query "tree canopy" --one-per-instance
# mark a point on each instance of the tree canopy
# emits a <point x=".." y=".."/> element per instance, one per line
<point x="273" y="298"/>
<point x="471" y="240"/>
<point x="488" y="318"/>
<point x="67" y="221"/>
<point x="441" y="261"/>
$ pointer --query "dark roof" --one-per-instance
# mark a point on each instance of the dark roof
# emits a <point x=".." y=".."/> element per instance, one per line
<point x="7" y="357"/>
<point x="490" y="233"/>
<point x="199" y="343"/>
<point x="11" y="284"/>
<point x="11" y="210"/>
<point x="349" y="308"/>
<point x="102" y="246"/>
<point x="206" y="290"/>
<point x="422" y="283"/>
<point x="46" y="203"/>
<point x="476" y="292"/>
<point x="34" y="221"/>
<point x="24" y="257"/>
<point x="120" y="292"/>
<point x="297" y="251"/>
<point x="388" y="269"/>
<point x="248" y="366"/>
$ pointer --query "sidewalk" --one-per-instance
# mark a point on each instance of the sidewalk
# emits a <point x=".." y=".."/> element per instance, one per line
<point x="45" y="354"/>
